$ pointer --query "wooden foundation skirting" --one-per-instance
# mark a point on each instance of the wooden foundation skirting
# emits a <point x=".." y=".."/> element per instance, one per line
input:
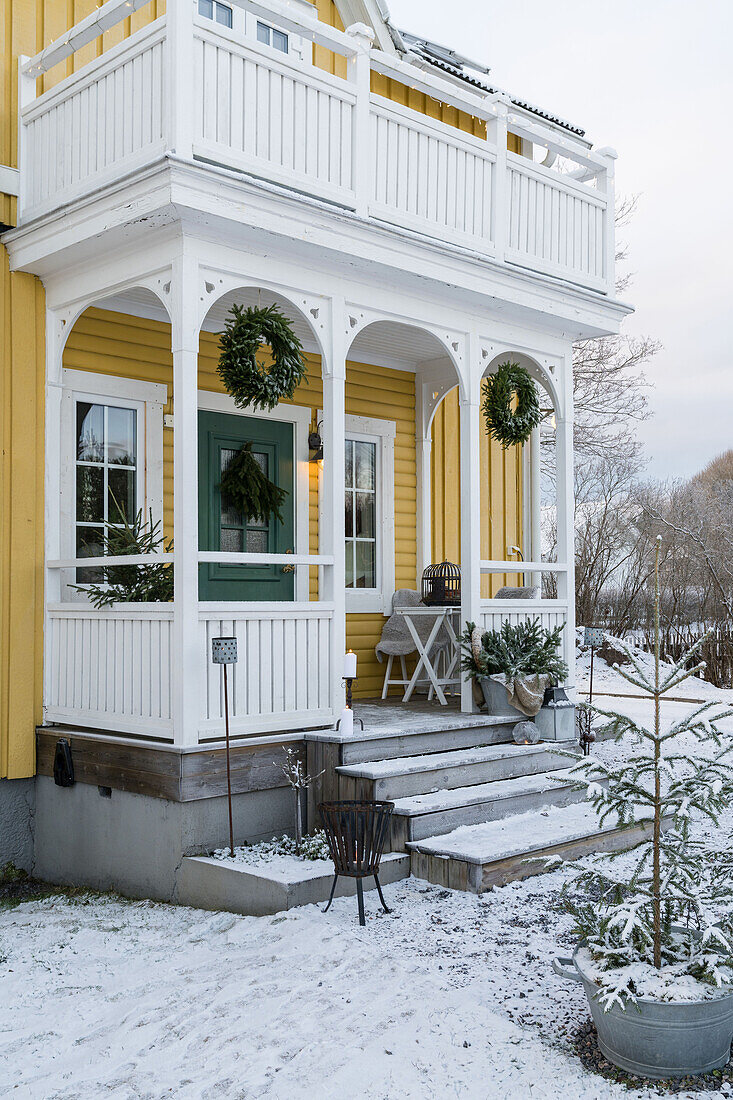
<point x="166" y="772"/>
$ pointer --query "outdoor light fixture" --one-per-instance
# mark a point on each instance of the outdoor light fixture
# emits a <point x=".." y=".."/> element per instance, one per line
<point x="224" y="652"/>
<point x="315" y="445"/>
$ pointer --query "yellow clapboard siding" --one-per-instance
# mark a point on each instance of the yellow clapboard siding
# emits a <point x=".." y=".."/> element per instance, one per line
<point x="501" y="495"/>
<point x="21" y="526"/>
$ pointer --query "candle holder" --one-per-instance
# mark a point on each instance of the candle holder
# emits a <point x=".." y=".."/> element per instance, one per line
<point x="349" y="680"/>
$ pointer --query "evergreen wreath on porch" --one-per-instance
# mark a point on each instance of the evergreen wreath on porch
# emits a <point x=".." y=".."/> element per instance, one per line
<point x="250" y="490"/>
<point x="249" y="380"/>
<point x="505" y="425"/>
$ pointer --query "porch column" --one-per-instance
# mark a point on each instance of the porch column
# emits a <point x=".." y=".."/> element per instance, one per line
<point x="470" y="423"/>
<point x="333" y="527"/>
<point x="55" y="332"/>
<point x="533" y="536"/>
<point x="423" y="453"/>
<point x="566" y="510"/>
<point x="186" y="659"/>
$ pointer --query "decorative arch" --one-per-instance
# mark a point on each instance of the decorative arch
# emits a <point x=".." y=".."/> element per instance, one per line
<point x="217" y="291"/>
<point x="446" y="344"/>
<point x="541" y="373"/>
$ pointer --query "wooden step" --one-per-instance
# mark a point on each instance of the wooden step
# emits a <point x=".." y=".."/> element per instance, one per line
<point x="404" y="776"/>
<point x="477" y="857"/>
<point x="429" y="815"/>
<point x="416" y="739"/>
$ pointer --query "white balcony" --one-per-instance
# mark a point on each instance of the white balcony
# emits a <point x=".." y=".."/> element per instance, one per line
<point x="185" y="87"/>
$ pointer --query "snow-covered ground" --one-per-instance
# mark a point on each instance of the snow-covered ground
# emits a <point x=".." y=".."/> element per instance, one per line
<point x="450" y="995"/>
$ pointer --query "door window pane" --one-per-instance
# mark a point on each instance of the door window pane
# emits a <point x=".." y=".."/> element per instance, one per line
<point x="232" y="540"/>
<point x="360" y="516"/>
<point x="237" y="534"/>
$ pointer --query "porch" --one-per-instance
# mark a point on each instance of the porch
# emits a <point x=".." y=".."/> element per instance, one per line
<point x="390" y="390"/>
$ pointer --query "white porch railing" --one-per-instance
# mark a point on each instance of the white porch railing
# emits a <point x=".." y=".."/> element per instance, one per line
<point x="551" y="613"/>
<point x="110" y="668"/>
<point x="286" y="121"/>
<point x="282" y="678"/>
<point x="96" y="125"/>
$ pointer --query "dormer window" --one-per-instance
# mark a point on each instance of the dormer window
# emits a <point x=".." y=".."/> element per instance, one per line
<point x="220" y="13"/>
<point x="271" y="37"/>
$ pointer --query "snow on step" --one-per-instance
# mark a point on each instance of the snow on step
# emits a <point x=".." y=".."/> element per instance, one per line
<point x="407" y="765"/>
<point x="440" y="801"/>
<point x="407" y="776"/>
<point x="517" y="835"/>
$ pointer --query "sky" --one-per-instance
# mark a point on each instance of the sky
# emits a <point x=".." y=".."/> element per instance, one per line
<point x="653" y="79"/>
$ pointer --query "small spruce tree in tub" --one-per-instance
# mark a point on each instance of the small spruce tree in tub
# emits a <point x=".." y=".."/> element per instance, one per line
<point x="513" y="667"/>
<point x="656" y="943"/>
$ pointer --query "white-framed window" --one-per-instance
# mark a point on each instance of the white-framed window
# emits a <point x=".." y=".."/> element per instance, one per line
<point x="220" y="13"/>
<point x="362" y="462"/>
<point x="369" y="548"/>
<point x="108" y="473"/>
<point x="270" y="36"/>
<point x="111" y="461"/>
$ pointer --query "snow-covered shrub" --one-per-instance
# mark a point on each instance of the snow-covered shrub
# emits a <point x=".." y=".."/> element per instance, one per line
<point x="667" y="913"/>
<point x="312" y="847"/>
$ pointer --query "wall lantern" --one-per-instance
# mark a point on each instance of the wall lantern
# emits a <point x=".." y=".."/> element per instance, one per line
<point x="315" y="445"/>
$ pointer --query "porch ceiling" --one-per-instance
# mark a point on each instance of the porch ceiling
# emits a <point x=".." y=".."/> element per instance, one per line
<point x="386" y="343"/>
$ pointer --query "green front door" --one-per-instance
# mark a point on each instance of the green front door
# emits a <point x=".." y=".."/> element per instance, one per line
<point x="223" y="527"/>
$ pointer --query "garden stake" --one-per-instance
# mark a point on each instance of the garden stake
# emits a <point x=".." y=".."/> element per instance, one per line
<point x="224" y="652"/>
<point x="229" y="768"/>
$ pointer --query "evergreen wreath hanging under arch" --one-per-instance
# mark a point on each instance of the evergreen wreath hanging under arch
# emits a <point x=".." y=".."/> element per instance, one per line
<point x="506" y="425"/>
<point x="249" y="380"/>
<point x="250" y="490"/>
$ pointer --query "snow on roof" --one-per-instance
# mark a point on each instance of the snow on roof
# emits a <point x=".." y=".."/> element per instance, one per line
<point x="473" y="73"/>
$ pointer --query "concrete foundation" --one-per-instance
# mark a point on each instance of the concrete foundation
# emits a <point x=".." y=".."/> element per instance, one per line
<point x="17" y="822"/>
<point x="135" y="843"/>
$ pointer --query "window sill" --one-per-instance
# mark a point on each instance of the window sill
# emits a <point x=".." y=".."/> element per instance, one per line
<point x="364" y="602"/>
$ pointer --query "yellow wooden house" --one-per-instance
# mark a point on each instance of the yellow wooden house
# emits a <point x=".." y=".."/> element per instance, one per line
<point x="417" y="225"/>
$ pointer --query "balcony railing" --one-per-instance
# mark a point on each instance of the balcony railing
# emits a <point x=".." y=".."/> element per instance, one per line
<point x="187" y="85"/>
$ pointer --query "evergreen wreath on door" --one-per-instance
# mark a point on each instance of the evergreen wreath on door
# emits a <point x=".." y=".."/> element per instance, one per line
<point x="253" y="382"/>
<point x="250" y="489"/>
<point x="506" y="425"/>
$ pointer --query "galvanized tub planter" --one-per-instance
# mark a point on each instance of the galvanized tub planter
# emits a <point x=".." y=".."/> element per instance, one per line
<point x="497" y="701"/>
<point x="658" y="1038"/>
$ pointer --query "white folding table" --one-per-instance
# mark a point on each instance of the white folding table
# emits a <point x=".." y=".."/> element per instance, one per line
<point x="445" y="618"/>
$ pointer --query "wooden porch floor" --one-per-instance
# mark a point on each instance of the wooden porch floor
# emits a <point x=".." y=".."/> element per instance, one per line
<point x="389" y="716"/>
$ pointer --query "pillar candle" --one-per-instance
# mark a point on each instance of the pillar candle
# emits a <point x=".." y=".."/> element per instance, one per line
<point x="346" y="724"/>
<point x="350" y="665"/>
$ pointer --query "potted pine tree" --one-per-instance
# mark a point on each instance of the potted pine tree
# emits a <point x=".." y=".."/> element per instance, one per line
<point x="655" y="952"/>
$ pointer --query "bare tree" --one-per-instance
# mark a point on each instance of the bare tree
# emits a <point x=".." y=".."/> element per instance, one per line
<point x="609" y="386"/>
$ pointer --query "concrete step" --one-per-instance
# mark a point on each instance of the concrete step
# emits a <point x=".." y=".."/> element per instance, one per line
<point x="428" y="815"/>
<point x="258" y="889"/>
<point x="404" y="776"/>
<point x="416" y="739"/>
<point x="477" y="857"/>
